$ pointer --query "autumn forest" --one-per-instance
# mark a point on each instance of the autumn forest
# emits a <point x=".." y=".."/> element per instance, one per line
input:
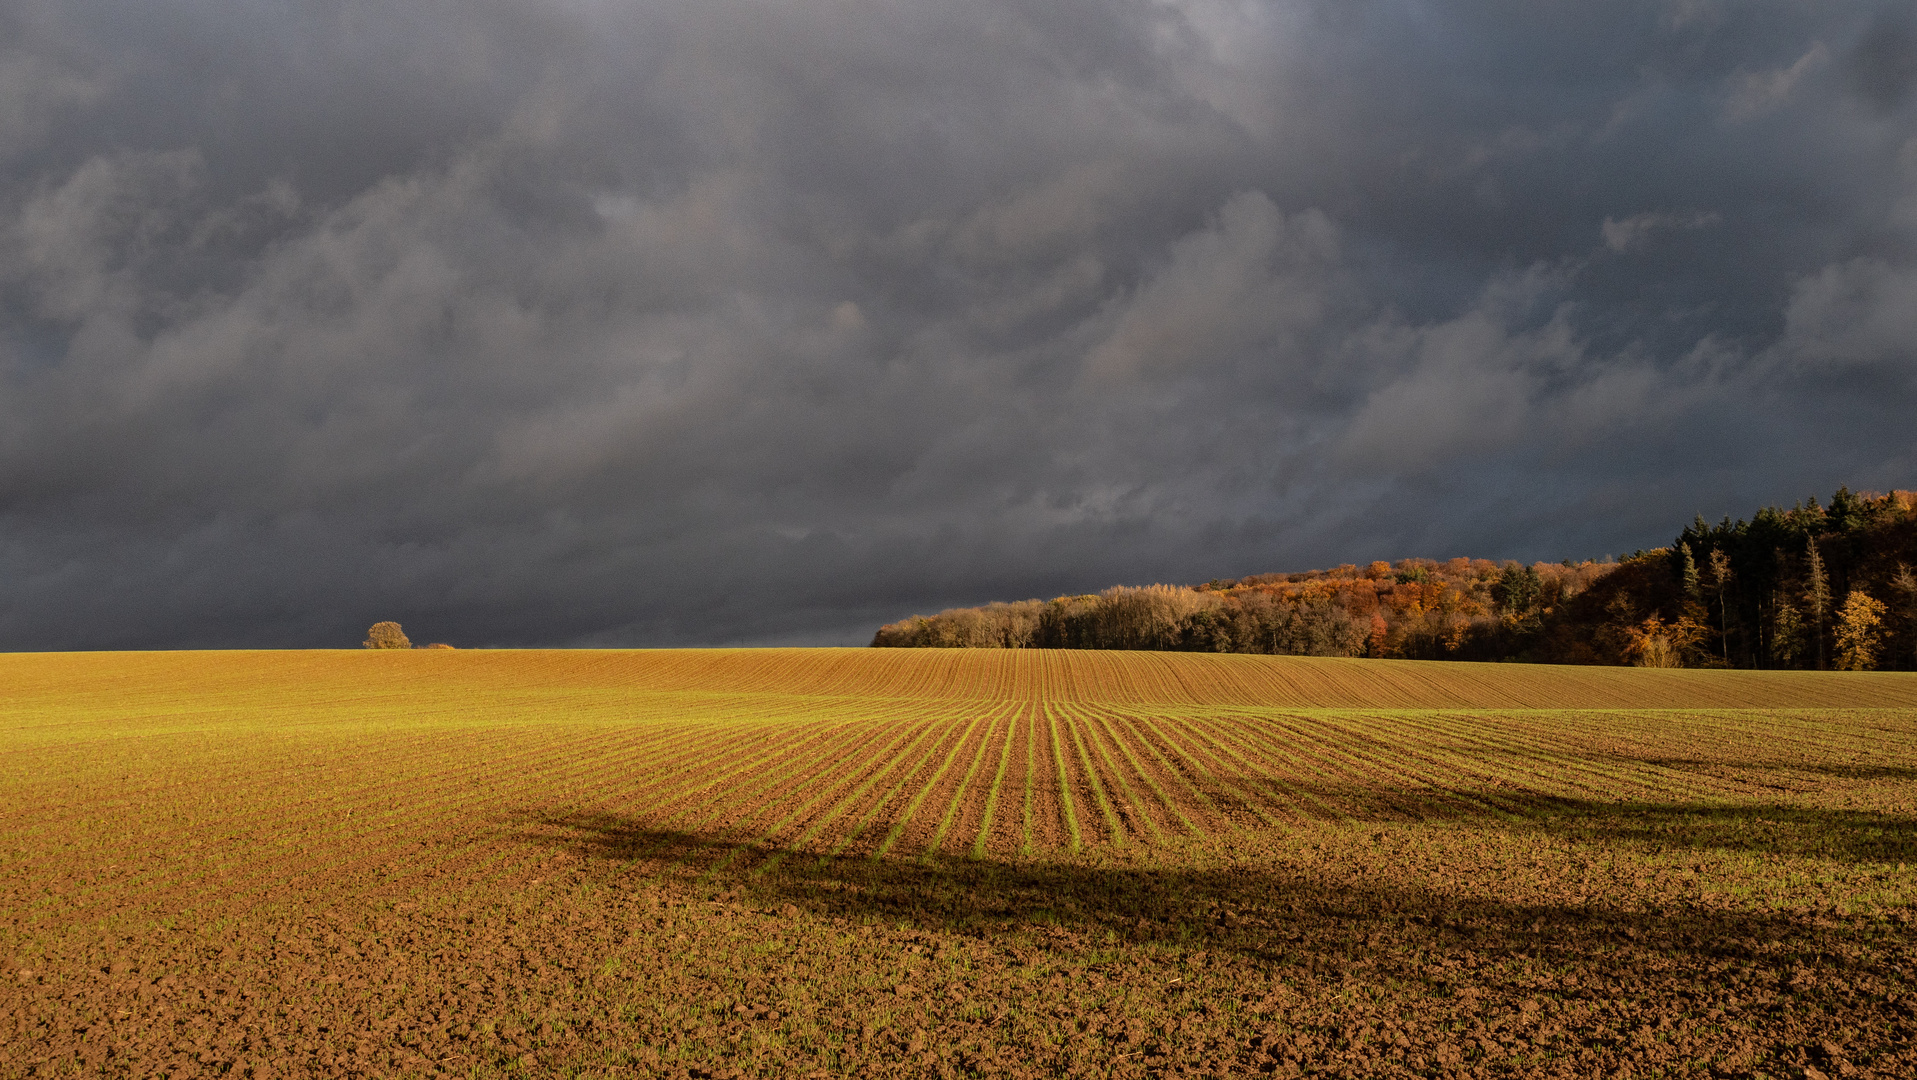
<point x="1806" y="587"/>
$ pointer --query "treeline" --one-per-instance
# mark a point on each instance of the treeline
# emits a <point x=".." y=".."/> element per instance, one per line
<point x="1420" y="608"/>
<point x="1806" y="587"/>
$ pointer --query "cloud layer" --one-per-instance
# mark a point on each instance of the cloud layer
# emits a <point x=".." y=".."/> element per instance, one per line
<point x="591" y="323"/>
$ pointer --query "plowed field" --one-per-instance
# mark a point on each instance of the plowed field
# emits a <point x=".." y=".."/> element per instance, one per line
<point x="929" y="862"/>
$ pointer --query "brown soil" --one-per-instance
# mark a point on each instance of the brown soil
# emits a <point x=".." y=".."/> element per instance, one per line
<point x="961" y="837"/>
<point x="1183" y="807"/>
<point x="1309" y="958"/>
<point x="968" y="734"/>
<point x="1004" y="833"/>
<point x="485" y="880"/>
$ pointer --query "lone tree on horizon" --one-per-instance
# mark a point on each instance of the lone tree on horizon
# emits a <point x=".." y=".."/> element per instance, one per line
<point x="386" y="635"/>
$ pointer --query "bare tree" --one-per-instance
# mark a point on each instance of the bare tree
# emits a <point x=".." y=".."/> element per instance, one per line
<point x="1721" y="575"/>
<point x="1817" y="597"/>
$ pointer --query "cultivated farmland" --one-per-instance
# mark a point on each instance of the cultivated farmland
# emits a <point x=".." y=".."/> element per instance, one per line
<point x="950" y="862"/>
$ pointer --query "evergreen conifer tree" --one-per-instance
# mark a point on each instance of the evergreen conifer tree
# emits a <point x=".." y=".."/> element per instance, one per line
<point x="1906" y="583"/>
<point x="1787" y="632"/>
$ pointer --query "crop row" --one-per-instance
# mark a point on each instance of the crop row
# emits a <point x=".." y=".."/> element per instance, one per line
<point x="257" y="791"/>
<point x="916" y="780"/>
<point x="287" y="685"/>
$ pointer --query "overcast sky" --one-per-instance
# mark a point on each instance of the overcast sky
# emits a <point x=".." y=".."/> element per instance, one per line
<point x="626" y="323"/>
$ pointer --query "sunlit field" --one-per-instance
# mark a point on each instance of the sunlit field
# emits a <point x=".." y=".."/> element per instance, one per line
<point x="950" y="863"/>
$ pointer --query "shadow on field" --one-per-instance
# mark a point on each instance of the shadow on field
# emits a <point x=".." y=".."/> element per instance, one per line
<point x="1760" y="770"/>
<point x="1329" y="921"/>
<point x="1841" y="836"/>
<point x="1768" y="829"/>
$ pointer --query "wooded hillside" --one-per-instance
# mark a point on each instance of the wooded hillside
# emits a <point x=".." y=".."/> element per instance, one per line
<point x="1807" y="587"/>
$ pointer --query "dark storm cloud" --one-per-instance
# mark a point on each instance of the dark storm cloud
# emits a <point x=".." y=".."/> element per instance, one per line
<point x="1884" y="64"/>
<point x="548" y="323"/>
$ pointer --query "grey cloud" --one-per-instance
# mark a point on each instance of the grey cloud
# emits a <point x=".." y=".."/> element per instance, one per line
<point x="1861" y="312"/>
<point x="1883" y="66"/>
<point x="1754" y="93"/>
<point x="1621" y="236"/>
<point x="1252" y="283"/>
<point x="35" y="91"/>
<point x="530" y="323"/>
